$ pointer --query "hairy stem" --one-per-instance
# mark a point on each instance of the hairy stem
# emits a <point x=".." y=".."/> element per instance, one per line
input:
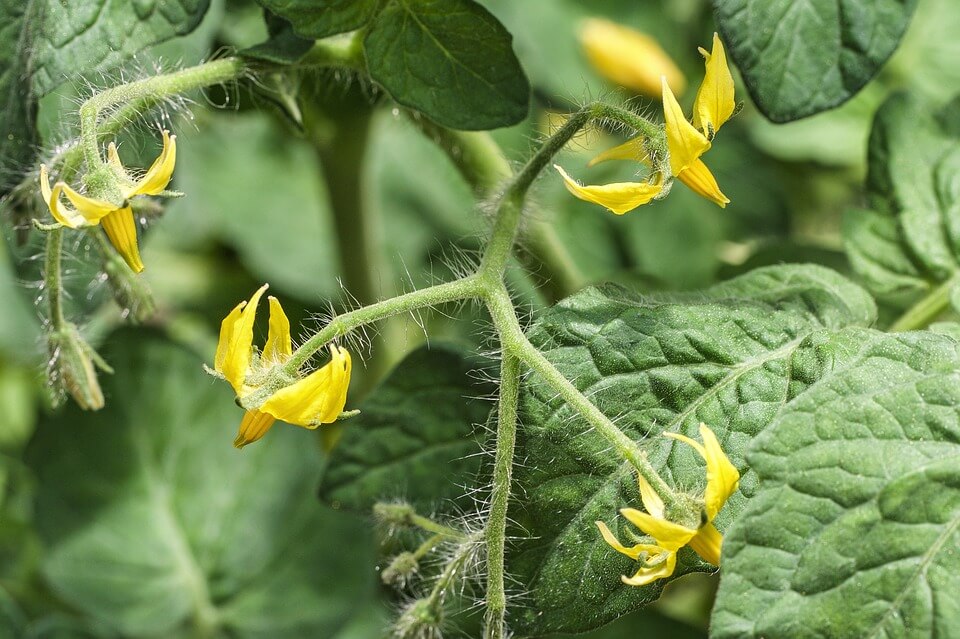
<point x="462" y="289"/>
<point x="53" y="278"/>
<point x="500" y="496"/>
<point x="929" y="308"/>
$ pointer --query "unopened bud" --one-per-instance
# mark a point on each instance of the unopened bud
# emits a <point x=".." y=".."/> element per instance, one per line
<point x="421" y="619"/>
<point x="394" y="514"/>
<point x="130" y="291"/>
<point x="72" y="367"/>
<point x="401" y="569"/>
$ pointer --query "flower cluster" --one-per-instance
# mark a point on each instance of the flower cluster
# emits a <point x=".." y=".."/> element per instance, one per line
<point x="686" y="142"/>
<point x="316" y="399"/>
<point x="659" y="559"/>
<point x="115" y="215"/>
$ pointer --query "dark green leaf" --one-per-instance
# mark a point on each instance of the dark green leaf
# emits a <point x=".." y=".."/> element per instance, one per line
<point x="415" y="437"/>
<point x="653" y="364"/>
<point x="316" y="19"/>
<point x="910" y="242"/>
<point x="450" y="59"/>
<point x="283" y="46"/>
<point x="152" y="520"/>
<point x="800" y="58"/>
<point x="854" y="530"/>
<point x="18" y="105"/>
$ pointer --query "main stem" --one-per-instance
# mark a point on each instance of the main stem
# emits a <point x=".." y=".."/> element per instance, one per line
<point x="931" y="306"/>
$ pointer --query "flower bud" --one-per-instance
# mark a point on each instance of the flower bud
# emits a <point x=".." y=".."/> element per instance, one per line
<point x="401" y="569"/>
<point x="420" y="619"/>
<point x="72" y="367"/>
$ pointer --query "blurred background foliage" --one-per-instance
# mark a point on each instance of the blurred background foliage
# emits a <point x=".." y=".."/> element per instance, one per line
<point x="130" y="521"/>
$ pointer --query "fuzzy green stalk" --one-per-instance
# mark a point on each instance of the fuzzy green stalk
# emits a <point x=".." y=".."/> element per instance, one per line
<point x="53" y="278"/>
<point x="496" y="529"/>
<point x="927" y="309"/>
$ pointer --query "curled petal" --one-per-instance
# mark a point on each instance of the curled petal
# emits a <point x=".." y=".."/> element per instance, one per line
<point x="253" y="426"/>
<point x="236" y="342"/>
<point x="707" y="543"/>
<point x="121" y="230"/>
<point x="279" y="346"/>
<point x="657" y="567"/>
<point x="619" y="197"/>
<point x="628" y="57"/>
<point x="62" y="214"/>
<point x="316" y="399"/>
<point x="155" y="180"/>
<point x="92" y="209"/>
<point x="701" y="181"/>
<point x="686" y="144"/>
<point x="723" y="478"/>
<point x="651" y="500"/>
<point x="668" y="534"/>
<point x="633" y="149"/>
<point x="715" y="103"/>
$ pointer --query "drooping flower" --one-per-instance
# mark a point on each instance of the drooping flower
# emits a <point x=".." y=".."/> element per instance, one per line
<point x="313" y="400"/>
<point x="659" y="559"/>
<point x="686" y="143"/>
<point x="115" y="217"/>
<point x="627" y="57"/>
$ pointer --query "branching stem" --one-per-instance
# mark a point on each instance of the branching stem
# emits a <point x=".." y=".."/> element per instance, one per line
<point x="925" y="311"/>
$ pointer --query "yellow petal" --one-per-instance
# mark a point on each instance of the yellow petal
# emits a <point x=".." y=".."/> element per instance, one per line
<point x="236" y="342"/>
<point x="723" y="478"/>
<point x="628" y="57"/>
<point x="121" y="230"/>
<point x="668" y="534"/>
<point x="659" y="568"/>
<point x="66" y="216"/>
<point x="715" y="103"/>
<point x="253" y="426"/>
<point x="316" y="399"/>
<point x="651" y="500"/>
<point x="634" y="150"/>
<point x="92" y="209"/>
<point x="279" y="346"/>
<point x="707" y="543"/>
<point x="113" y="157"/>
<point x="157" y="177"/>
<point x="685" y="143"/>
<point x="619" y="197"/>
<point x="633" y="552"/>
<point x="701" y="181"/>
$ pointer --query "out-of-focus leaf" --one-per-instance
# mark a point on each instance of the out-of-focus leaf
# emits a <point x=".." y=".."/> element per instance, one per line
<point x="283" y="46"/>
<point x="414" y="438"/>
<point x="451" y="60"/>
<point x="729" y="356"/>
<point x="800" y="58"/>
<point x="153" y="521"/>
<point x="854" y="528"/>
<point x="19" y="326"/>
<point x="316" y="19"/>
<point x="263" y="197"/>
<point x="910" y="242"/>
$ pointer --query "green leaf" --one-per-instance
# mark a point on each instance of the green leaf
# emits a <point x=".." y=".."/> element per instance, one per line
<point x="415" y="438"/>
<point x="910" y="241"/>
<point x="44" y="43"/>
<point x="801" y="58"/>
<point x="316" y="19"/>
<point x="182" y="528"/>
<point x="854" y="528"/>
<point x="450" y="59"/>
<point x="283" y="46"/>
<point x="653" y="364"/>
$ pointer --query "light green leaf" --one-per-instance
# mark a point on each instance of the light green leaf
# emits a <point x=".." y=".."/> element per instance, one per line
<point x="727" y="356"/>
<point x="854" y="529"/>
<point x="801" y="58"/>
<point x="910" y="242"/>
<point x="168" y="525"/>
<point x="451" y="60"/>
<point x="316" y="19"/>
<point x="415" y="437"/>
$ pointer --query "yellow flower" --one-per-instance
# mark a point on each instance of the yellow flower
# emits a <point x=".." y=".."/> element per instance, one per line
<point x="629" y="58"/>
<point x="686" y="143"/>
<point x="116" y="219"/>
<point x="659" y="559"/>
<point x="316" y="399"/>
